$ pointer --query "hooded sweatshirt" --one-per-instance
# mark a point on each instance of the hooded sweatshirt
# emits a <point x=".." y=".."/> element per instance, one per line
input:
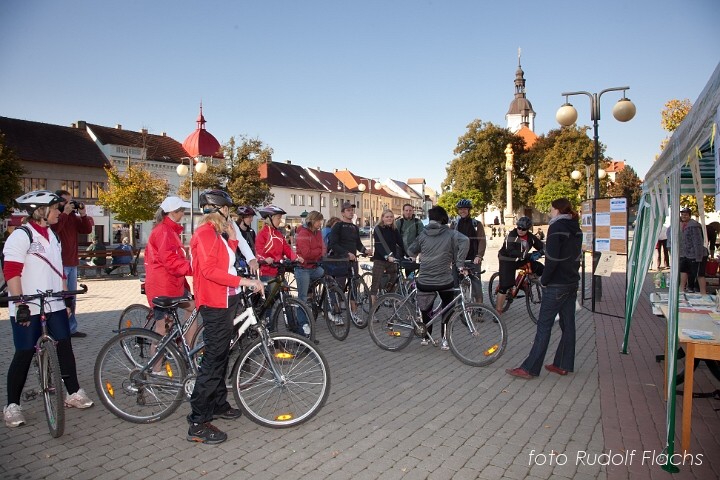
<point x="435" y="244"/>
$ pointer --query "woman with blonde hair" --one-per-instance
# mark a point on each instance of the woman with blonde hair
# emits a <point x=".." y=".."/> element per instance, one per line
<point x="388" y="246"/>
<point x="215" y="282"/>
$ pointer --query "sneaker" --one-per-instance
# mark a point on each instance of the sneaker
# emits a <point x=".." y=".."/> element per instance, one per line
<point x="205" y="433"/>
<point x="78" y="334"/>
<point x="229" y="414"/>
<point x="444" y="345"/>
<point x="339" y="320"/>
<point x="424" y="342"/>
<point x="13" y="415"/>
<point x="78" y="399"/>
<point x="306" y="330"/>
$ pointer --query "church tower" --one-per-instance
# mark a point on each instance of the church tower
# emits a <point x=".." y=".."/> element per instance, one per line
<point x="520" y="114"/>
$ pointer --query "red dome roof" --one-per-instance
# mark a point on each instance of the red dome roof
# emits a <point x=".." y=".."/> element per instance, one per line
<point x="201" y="142"/>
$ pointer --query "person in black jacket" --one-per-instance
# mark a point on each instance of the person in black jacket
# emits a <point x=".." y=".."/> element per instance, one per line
<point x="560" y="280"/>
<point x="388" y="246"/>
<point x="513" y="254"/>
<point x="343" y="242"/>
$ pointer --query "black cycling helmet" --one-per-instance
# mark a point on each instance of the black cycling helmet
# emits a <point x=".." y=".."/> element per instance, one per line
<point x="245" y="211"/>
<point x="214" y="198"/>
<point x="270" y="210"/>
<point x="464" y="203"/>
<point x="36" y="199"/>
<point x="524" y="222"/>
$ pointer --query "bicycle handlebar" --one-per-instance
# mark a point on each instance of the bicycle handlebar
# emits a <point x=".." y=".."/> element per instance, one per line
<point x="46" y="294"/>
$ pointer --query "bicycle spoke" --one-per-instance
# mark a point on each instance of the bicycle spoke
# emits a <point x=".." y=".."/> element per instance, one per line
<point x="476" y="335"/>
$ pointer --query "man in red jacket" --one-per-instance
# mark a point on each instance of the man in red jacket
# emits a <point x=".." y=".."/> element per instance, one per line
<point x="73" y="221"/>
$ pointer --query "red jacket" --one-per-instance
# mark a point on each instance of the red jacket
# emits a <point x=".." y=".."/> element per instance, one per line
<point x="310" y="246"/>
<point x="166" y="263"/>
<point x="211" y="264"/>
<point x="68" y="227"/>
<point x="271" y="243"/>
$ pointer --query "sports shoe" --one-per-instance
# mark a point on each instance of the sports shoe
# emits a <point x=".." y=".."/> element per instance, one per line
<point x="306" y="329"/>
<point x="205" y="433"/>
<point x="444" y="345"/>
<point x="13" y="415"/>
<point x="78" y="334"/>
<point x="424" y="342"/>
<point x="78" y="399"/>
<point x="229" y="414"/>
<point x="339" y="320"/>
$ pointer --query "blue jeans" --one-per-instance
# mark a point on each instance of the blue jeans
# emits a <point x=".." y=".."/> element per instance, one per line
<point x="71" y="275"/>
<point x="556" y="299"/>
<point x="304" y="277"/>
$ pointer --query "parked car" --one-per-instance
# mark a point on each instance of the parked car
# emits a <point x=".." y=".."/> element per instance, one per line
<point x="365" y="231"/>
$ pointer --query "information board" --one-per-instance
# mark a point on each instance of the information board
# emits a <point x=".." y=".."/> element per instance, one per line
<point x="611" y="225"/>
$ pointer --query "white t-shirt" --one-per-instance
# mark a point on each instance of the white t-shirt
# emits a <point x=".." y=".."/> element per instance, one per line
<point x="36" y="275"/>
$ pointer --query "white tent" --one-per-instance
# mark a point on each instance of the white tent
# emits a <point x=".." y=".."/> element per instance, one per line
<point x="687" y="165"/>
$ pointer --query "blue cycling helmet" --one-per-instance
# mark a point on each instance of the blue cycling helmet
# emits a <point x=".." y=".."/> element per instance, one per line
<point x="524" y="223"/>
<point x="464" y="203"/>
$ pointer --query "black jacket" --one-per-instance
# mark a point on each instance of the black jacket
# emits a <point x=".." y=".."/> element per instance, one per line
<point x="388" y="241"/>
<point x="512" y="248"/>
<point x="344" y="238"/>
<point x="563" y="251"/>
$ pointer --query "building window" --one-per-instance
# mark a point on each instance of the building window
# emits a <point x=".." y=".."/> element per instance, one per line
<point x="322" y="201"/>
<point x="93" y="188"/>
<point x="30" y="184"/>
<point x="293" y="200"/>
<point x="301" y="200"/>
<point x="72" y="186"/>
<point x="311" y="200"/>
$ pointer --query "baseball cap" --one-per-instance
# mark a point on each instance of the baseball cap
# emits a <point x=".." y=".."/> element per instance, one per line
<point x="685" y="210"/>
<point x="170" y="204"/>
<point x="347" y="205"/>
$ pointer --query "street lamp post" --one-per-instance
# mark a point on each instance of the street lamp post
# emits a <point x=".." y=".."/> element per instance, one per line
<point x="362" y="188"/>
<point x="589" y="189"/>
<point x="183" y="170"/>
<point x="623" y="111"/>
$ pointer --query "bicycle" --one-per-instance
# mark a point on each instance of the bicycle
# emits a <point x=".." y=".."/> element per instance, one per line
<point x="400" y="283"/>
<point x="278" y="380"/>
<point x="279" y="304"/>
<point x="357" y="297"/>
<point x="473" y="285"/>
<point x="326" y="297"/>
<point x="527" y="283"/>
<point x="46" y="360"/>
<point x="475" y="333"/>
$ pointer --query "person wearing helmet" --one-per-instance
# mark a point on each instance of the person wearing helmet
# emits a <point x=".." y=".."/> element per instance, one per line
<point x="245" y="254"/>
<point x="473" y="229"/>
<point x="244" y="223"/>
<point x="514" y="253"/>
<point x="33" y="262"/>
<point x="73" y="220"/>
<point x="215" y="281"/>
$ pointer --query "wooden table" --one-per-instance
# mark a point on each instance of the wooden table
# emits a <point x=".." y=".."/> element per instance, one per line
<point x="694" y="348"/>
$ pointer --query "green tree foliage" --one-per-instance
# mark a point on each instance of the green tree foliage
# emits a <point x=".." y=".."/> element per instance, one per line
<point x="448" y="200"/>
<point x="133" y="196"/>
<point x="554" y="190"/>
<point x="479" y="165"/>
<point x="557" y="154"/>
<point x="690" y="201"/>
<point x="627" y="184"/>
<point x="11" y="172"/>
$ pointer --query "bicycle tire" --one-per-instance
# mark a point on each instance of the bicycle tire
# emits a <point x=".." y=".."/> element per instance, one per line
<point x="51" y="387"/>
<point x="129" y="394"/>
<point x="137" y="315"/>
<point x="533" y="298"/>
<point x="361" y="313"/>
<point x="285" y="317"/>
<point x="480" y="342"/>
<point x="493" y="286"/>
<point x="335" y="312"/>
<point x="294" y="399"/>
<point x="391" y="322"/>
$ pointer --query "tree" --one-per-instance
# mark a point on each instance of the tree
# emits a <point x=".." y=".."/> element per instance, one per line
<point x="627" y="184"/>
<point x="479" y="165"/>
<point x="133" y="196"/>
<point x="11" y="172"/>
<point x="554" y="190"/>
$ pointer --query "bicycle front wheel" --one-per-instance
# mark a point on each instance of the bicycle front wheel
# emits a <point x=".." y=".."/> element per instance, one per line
<point x="292" y="316"/>
<point x="295" y="395"/>
<point x="335" y="312"/>
<point x="51" y="387"/>
<point x="359" y="306"/>
<point x="137" y="316"/>
<point x="391" y="322"/>
<point x="493" y="286"/>
<point x="533" y="298"/>
<point x="477" y="336"/>
<point x="131" y="388"/>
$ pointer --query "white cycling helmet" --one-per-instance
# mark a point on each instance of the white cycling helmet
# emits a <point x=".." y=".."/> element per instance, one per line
<point x="36" y="199"/>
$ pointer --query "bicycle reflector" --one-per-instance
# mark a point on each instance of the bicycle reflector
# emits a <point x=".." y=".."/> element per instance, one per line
<point x="393" y="333"/>
<point x="284" y="417"/>
<point x="169" y="370"/>
<point x="284" y="355"/>
<point x="110" y="389"/>
<point x="491" y="350"/>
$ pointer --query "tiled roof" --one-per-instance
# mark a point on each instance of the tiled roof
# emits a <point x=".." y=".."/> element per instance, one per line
<point x="528" y="135"/>
<point x="43" y="142"/>
<point x="289" y="176"/>
<point x="160" y="148"/>
<point x="327" y="179"/>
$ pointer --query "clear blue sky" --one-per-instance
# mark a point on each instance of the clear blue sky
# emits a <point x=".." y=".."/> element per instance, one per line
<point x="384" y="88"/>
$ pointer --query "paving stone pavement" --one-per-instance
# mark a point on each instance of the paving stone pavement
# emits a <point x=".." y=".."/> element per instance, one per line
<point x="414" y="414"/>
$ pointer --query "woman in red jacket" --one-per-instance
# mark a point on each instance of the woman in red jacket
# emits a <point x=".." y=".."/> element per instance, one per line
<point x="215" y="281"/>
<point x="166" y="263"/>
<point x="310" y="246"/>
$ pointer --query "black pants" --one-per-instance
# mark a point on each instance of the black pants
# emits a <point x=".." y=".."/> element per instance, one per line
<point x="210" y="393"/>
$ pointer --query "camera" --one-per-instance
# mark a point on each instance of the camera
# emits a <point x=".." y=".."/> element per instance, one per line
<point x="77" y="205"/>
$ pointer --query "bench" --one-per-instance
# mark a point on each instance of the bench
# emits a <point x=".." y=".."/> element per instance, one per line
<point x="84" y="258"/>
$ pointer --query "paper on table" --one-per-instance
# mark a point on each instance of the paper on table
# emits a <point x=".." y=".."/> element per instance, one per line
<point x="697" y="334"/>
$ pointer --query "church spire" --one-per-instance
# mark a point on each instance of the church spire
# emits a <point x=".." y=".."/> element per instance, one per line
<point x="520" y="114"/>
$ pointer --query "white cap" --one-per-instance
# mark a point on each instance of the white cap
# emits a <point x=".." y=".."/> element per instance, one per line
<point x="170" y="204"/>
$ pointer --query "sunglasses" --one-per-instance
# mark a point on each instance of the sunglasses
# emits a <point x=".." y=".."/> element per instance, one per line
<point x="523" y="229"/>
